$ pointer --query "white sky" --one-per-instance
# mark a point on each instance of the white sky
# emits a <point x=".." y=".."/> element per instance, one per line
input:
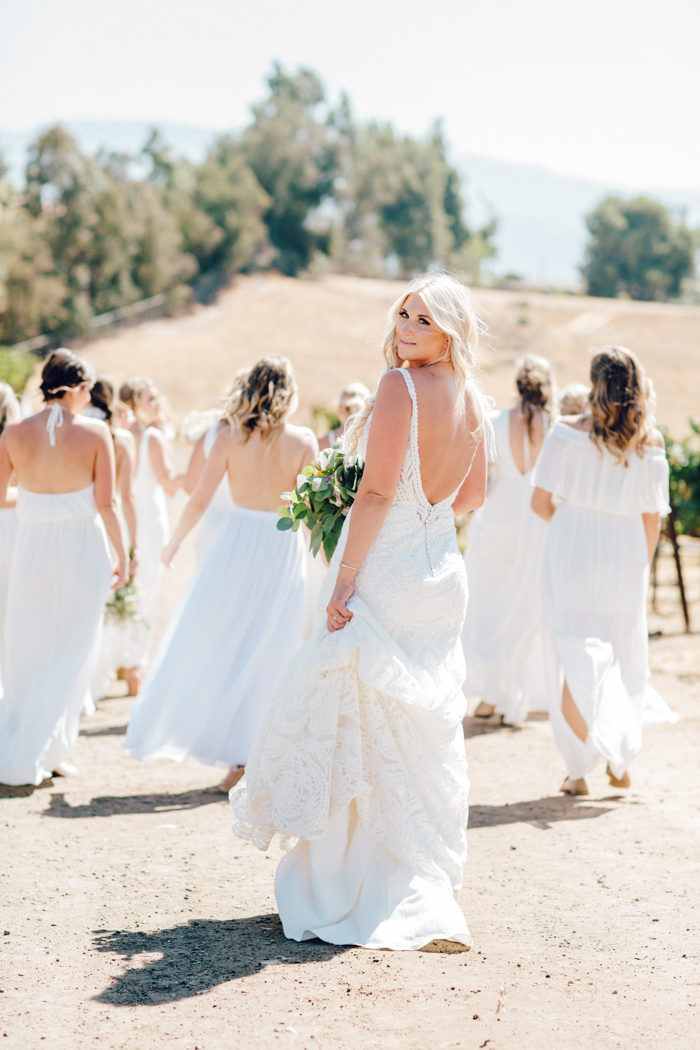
<point x="603" y="89"/>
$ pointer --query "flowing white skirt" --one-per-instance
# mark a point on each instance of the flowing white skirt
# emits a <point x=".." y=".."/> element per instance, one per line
<point x="8" y="534"/>
<point x="502" y="635"/>
<point x="595" y="576"/>
<point x="59" y="582"/>
<point x="362" y="756"/>
<point x="234" y="632"/>
<point x="153" y="532"/>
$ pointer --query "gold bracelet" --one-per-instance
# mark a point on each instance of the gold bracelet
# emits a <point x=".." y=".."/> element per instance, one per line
<point x="354" y="568"/>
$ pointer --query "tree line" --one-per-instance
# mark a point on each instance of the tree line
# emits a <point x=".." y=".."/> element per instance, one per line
<point x="303" y="186"/>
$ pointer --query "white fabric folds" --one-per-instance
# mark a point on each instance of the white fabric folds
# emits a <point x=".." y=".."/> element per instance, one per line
<point x="59" y="581"/>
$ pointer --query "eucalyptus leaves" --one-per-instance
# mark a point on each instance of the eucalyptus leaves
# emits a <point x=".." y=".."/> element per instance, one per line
<point x="123" y="605"/>
<point x="324" y="493"/>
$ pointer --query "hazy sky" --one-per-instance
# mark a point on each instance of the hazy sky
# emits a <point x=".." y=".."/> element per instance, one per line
<point x="602" y="89"/>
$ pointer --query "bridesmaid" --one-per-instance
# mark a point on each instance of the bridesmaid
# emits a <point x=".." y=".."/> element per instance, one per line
<point x="608" y="469"/>
<point x="352" y="398"/>
<point x="155" y="478"/>
<point x="221" y="502"/>
<point x="502" y="635"/>
<point x="9" y="413"/>
<point x="115" y="636"/>
<point x="240" y="621"/>
<point x="61" y="570"/>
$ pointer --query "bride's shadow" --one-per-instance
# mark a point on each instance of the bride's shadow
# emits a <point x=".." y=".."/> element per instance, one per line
<point x="199" y="956"/>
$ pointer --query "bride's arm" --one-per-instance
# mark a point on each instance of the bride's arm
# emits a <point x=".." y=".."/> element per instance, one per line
<point x="386" y="450"/>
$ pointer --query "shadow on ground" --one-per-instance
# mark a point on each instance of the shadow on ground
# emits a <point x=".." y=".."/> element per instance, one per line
<point x="541" y="812"/>
<point x="108" y="731"/>
<point x="111" y="805"/>
<point x="200" y="956"/>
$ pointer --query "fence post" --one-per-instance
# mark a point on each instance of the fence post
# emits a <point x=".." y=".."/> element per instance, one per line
<point x="673" y="537"/>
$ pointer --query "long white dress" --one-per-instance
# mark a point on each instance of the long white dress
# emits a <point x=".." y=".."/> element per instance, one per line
<point x="8" y="533"/>
<point x="502" y="635"/>
<point x="595" y="575"/>
<point x="234" y="632"/>
<point x="362" y="756"/>
<point x="60" y="576"/>
<point x="221" y="502"/>
<point x="153" y="532"/>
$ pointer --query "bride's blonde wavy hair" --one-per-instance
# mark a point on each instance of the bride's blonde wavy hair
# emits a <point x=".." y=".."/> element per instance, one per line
<point x="622" y="402"/>
<point x="261" y="397"/>
<point x="451" y="308"/>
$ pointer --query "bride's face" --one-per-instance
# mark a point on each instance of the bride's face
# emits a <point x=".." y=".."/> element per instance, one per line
<point x="419" y="340"/>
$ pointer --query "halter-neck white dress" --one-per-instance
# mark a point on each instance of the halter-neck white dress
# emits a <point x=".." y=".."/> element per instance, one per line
<point x="234" y="632"/>
<point x="502" y="636"/>
<point x="59" y="580"/>
<point x="362" y="757"/>
<point x="153" y="531"/>
<point x="595" y="576"/>
<point x="221" y="502"/>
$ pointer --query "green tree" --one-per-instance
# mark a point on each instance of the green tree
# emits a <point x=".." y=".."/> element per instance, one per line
<point x="636" y="249"/>
<point x="294" y="157"/>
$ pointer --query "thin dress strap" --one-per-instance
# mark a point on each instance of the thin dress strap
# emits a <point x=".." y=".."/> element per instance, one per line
<point x="414" y="476"/>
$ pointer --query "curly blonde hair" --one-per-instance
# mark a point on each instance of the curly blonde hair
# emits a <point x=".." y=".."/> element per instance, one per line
<point x="621" y="402"/>
<point x="573" y="399"/>
<point x="261" y="397"/>
<point x="451" y="308"/>
<point x="534" y="381"/>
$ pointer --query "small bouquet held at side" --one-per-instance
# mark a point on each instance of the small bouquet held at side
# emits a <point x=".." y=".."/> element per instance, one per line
<point x="324" y="493"/>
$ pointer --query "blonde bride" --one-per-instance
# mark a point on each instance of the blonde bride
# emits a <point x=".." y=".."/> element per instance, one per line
<point x="361" y="759"/>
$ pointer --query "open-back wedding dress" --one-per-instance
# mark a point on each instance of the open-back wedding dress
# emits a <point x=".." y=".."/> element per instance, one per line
<point x="361" y="758"/>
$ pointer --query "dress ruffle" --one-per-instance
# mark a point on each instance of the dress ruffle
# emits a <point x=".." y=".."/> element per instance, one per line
<point x="572" y="467"/>
<point x="356" y="717"/>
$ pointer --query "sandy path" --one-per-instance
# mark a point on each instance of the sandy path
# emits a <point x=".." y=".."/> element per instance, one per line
<point x="134" y="919"/>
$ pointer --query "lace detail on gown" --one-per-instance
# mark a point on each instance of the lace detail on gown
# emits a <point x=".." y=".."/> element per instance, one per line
<point x="373" y="713"/>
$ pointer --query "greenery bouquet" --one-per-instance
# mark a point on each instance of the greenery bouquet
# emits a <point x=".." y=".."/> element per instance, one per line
<point x="123" y="606"/>
<point x="324" y="493"/>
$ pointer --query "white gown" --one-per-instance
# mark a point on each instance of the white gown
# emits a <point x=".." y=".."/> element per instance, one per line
<point x="153" y="532"/>
<point x="8" y="533"/>
<point x="234" y="632"/>
<point x="502" y="636"/>
<point x="595" y="575"/>
<point x="362" y="756"/>
<point x="220" y="505"/>
<point x="61" y="571"/>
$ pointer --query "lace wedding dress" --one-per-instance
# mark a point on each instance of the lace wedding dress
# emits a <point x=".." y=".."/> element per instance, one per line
<point x="361" y="758"/>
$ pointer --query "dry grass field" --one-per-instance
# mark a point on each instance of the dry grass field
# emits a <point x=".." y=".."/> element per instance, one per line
<point x="132" y="918"/>
<point x="331" y="329"/>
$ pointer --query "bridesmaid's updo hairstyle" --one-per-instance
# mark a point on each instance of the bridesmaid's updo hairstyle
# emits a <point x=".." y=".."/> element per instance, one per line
<point x="573" y="399"/>
<point x="63" y="370"/>
<point x="621" y="402"/>
<point x="451" y="308"/>
<point x="261" y="397"/>
<point x="535" y="385"/>
<point x="9" y="406"/>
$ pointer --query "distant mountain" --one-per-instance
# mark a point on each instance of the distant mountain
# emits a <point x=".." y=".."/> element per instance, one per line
<point x="541" y="230"/>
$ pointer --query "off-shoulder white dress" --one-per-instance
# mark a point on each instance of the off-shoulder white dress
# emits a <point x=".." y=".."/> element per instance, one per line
<point x="502" y="636"/>
<point x="362" y="755"/>
<point x="595" y="575"/>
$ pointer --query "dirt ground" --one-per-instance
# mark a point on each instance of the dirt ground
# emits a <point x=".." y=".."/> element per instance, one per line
<point x="131" y="917"/>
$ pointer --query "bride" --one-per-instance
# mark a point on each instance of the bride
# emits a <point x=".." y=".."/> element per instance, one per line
<point x="361" y="758"/>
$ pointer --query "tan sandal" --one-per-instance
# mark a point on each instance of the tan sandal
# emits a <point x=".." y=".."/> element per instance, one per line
<point x="618" y="782"/>
<point x="574" y="787"/>
<point x="485" y="710"/>
<point x="234" y="774"/>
